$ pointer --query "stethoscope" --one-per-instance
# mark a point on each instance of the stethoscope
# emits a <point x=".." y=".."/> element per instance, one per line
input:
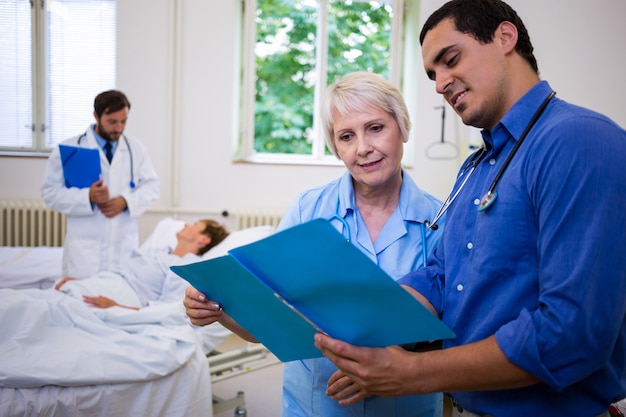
<point x="130" y="153"/>
<point x="346" y="233"/>
<point x="490" y="196"/>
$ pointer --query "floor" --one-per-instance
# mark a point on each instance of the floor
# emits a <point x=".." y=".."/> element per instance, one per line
<point x="262" y="388"/>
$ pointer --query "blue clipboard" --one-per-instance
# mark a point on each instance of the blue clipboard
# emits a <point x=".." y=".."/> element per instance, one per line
<point x="81" y="166"/>
<point x="308" y="278"/>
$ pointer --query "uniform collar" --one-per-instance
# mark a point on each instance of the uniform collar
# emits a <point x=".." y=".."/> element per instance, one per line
<point x="417" y="211"/>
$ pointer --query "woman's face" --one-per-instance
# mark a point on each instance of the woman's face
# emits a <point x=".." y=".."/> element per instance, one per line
<point x="370" y="145"/>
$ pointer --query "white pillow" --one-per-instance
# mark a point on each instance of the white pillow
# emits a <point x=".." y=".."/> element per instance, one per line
<point x="238" y="238"/>
<point x="163" y="235"/>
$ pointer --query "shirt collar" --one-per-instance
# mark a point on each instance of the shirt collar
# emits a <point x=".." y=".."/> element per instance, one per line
<point x="418" y="211"/>
<point x="517" y="118"/>
<point x="101" y="141"/>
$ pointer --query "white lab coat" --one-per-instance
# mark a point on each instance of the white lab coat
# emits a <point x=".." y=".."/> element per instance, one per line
<point x="94" y="242"/>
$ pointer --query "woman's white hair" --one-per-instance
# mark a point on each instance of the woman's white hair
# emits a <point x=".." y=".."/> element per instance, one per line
<point x="359" y="92"/>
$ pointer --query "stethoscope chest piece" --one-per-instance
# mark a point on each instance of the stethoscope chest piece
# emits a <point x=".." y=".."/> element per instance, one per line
<point x="487" y="201"/>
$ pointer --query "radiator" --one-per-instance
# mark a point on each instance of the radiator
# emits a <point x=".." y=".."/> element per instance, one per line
<point x="30" y="223"/>
<point x="252" y="218"/>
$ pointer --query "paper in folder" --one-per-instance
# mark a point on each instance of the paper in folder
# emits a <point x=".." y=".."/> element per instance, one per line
<point x="308" y="278"/>
<point x="81" y="166"/>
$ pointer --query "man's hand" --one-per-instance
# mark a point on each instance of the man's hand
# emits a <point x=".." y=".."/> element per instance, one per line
<point x="62" y="282"/>
<point x="372" y="371"/>
<point x="99" y="301"/>
<point x="98" y="193"/>
<point x="104" y="302"/>
<point x="113" y="207"/>
<point x="341" y="388"/>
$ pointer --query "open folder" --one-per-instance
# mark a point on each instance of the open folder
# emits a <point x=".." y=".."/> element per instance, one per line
<point x="308" y="278"/>
<point x="81" y="166"/>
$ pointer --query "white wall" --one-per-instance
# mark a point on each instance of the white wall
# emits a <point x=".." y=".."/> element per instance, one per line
<point x="578" y="43"/>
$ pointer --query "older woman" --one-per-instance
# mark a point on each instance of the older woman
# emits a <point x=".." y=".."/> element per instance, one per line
<point x="366" y="123"/>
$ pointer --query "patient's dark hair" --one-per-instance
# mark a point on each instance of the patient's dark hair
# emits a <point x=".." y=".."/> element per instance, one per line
<point x="215" y="231"/>
<point x="480" y="19"/>
<point x="110" y="102"/>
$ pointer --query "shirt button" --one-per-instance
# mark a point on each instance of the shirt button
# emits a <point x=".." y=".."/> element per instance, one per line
<point x="476" y="201"/>
<point x="459" y="287"/>
<point x="492" y="161"/>
<point x="470" y="245"/>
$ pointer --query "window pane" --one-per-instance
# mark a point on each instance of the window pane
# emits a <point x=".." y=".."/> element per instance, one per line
<point x="287" y="63"/>
<point x="80" y="63"/>
<point x="359" y="38"/>
<point x="15" y="74"/>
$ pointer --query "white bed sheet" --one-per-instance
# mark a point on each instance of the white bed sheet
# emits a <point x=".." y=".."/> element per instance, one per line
<point x="24" y="267"/>
<point x="184" y="393"/>
<point x="61" y="357"/>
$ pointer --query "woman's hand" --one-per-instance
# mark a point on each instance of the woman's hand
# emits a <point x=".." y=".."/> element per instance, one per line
<point x="200" y="310"/>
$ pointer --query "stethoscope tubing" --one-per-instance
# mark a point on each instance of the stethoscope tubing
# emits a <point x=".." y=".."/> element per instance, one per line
<point x="130" y="154"/>
<point x="490" y="196"/>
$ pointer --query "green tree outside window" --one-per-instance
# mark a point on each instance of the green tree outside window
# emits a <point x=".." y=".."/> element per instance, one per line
<point x="287" y="31"/>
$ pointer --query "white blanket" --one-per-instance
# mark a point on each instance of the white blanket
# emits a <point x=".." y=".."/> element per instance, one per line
<point x="48" y="338"/>
<point x="117" y="288"/>
<point x="22" y="267"/>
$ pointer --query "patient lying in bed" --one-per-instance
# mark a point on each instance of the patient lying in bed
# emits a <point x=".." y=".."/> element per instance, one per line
<point x="146" y="278"/>
<point x="60" y="354"/>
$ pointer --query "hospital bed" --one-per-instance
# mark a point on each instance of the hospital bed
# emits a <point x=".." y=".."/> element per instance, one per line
<point x="29" y="267"/>
<point x="234" y="363"/>
<point x="60" y="357"/>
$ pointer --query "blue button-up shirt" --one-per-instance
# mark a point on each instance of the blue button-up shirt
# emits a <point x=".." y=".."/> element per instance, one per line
<point x="101" y="141"/>
<point x="544" y="269"/>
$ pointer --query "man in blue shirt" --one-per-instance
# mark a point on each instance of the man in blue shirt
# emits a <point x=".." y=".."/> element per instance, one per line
<point x="531" y="270"/>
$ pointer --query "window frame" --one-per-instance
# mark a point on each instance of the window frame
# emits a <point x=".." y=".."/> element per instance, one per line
<point x="244" y="148"/>
<point x="40" y="85"/>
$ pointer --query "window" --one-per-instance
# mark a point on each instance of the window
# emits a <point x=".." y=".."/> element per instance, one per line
<point x="55" y="57"/>
<point x="293" y="49"/>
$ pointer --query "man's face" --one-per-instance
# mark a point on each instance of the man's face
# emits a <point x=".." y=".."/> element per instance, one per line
<point x="470" y="75"/>
<point x="111" y="125"/>
<point x="194" y="233"/>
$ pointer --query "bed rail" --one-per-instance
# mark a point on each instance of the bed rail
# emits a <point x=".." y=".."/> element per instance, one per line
<point x="235" y="363"/>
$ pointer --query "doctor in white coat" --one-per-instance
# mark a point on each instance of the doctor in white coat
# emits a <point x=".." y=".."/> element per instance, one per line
<point x="102" y="228"/>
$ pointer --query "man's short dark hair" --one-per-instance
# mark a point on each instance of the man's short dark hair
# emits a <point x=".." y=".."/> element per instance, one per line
<point x="480" y="19"/>
<point x="110" y="102"/>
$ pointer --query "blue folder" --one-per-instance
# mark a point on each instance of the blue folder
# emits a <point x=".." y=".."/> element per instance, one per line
<point x="308" y="278"/>
<point x="81" y="166"/>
